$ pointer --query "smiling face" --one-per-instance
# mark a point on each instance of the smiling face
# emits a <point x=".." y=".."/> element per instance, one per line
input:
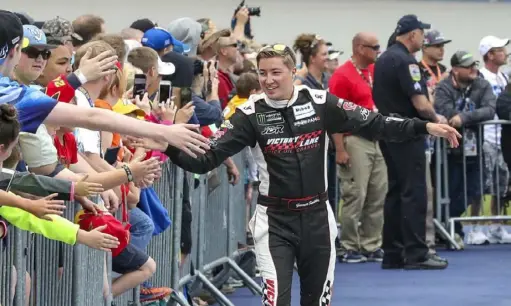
<point x="276" y="78"/>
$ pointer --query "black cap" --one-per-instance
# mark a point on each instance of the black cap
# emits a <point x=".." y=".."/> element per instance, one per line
<point x="435" y="38"/>
<point x="463" y="59"/>
<point x="143" y="25"/>
<point x="409" y="23"/>
<point x="25" y="18"/>
<point x="184" y="74"/>
<point x="11" y="33"/>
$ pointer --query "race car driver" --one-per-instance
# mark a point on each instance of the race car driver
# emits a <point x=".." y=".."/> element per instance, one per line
<point x="293" y="219"/>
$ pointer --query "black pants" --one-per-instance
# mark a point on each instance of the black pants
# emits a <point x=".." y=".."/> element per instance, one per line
<point x="404" y="229"/>
<point x="283" y="236"/>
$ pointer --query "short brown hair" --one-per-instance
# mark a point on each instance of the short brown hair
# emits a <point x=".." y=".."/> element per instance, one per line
<point x="115" y="41"/>
<point x="97" y="47"/>
<point x="246" y="83"/>
<point x="88" y="26"/>
<point x="278" y="50"/>
<point x="143" y="58"/>
<point x="119" y="80"/>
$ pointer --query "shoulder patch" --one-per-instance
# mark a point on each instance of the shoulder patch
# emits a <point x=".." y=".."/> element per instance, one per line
<point x="248" y="107"/>
<point x="415" y="72"/>
<point x="318" y="95"/>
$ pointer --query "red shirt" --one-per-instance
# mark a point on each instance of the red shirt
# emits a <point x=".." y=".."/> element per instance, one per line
<point x="68" y="151"/>
<point x="225" y="86"/>
<point x="346" y="83"/>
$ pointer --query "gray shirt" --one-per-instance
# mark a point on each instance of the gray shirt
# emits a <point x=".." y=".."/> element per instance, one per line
<point x="474" y="104"/>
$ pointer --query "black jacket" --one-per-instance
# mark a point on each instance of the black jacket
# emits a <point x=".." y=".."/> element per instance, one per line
<point x="292" y="138"/>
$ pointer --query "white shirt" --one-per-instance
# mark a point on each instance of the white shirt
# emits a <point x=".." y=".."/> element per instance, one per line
<point x="86" y="140"/>
<point x="498" y="82"/>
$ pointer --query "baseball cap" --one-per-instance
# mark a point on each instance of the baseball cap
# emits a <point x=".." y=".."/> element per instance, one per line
<point x="409" y="23"/>
<point x="183" y="76"/>
<point x="188" y="31"/>
<point x="332" y="53"/>
<point x="490" y="42"/>
<point x="165" y="68"/>
<point x="34" y="37"/>
<point x="25" y="18"/>
<point x="11" y="33"/>
<point x="60" y="29"/>
<point x="463" y="59"/>
<point x="435" y="38"/>
<point x="125" y="107"/>
<point x="143" y="24"/>
<point x="159" y="39"/>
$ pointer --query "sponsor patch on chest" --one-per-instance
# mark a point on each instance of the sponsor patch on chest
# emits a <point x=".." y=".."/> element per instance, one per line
<point x="269" y="118"/>
<point x="303" y="111"/>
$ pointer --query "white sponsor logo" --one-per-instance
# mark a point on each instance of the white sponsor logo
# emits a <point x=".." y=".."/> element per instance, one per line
<point x="306" y="121"/>
<point x="312" y="202"/>
<point x="269" y="118"/>
<point x="273" y="130"/>
<point x="393" y="119"/>
<point x="227" y="125"/>
<point x="303" y="111"/>
<point x="4" y="51"/>
<point x="365" y="113"/>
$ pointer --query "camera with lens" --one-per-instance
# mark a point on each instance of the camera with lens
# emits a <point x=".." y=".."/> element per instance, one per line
<point x="252" y="11"/>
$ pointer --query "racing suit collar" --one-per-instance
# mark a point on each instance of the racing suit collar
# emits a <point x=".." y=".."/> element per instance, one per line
<point x="283" y="103"/>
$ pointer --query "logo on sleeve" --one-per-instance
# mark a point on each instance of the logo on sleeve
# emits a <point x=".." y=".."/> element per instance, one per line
<point x="303" y="111"/>
<point x="415" y="72"/>
<point x="346" y="105"/>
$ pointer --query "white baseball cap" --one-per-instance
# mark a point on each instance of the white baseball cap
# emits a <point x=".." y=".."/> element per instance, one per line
<point x="490" y="42"/>
<point x="165" y="68"/>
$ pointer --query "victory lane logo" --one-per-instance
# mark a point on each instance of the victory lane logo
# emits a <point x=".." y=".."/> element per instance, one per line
<point x="300" y="143"/>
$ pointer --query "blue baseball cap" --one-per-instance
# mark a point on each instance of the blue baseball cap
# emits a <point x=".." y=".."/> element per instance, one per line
<point x="35" y="37"/>
<point x="409" y="23"/>
<point x="159" y="39"/>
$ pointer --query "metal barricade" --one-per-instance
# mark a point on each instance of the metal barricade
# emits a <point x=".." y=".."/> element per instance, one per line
<point x="220" y="225"/>
<point x="444" y="200"/>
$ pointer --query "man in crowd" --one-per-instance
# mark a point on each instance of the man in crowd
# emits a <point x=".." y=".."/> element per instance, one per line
<point x="87" y="26"/>
<point x="494" y="53"/>
<point x="227" y="55"/>
<point x="363" y="172"/>
<point x="400" y="91"/>
<point x="465" y="99"/>
<point x="432" y="54"/>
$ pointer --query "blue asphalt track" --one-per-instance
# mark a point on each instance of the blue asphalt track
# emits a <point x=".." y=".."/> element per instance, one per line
<point x="476" y="276"/>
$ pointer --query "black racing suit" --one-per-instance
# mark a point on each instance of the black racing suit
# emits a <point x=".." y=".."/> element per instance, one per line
<point x="293" y="219"/>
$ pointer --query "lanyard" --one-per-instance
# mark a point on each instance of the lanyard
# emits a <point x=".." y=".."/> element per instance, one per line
<point x="437" y="77"/>
<point x="87" y="96"/>
<point x="369" y="79"/>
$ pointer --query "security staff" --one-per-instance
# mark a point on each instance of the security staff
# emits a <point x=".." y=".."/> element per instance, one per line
<point x="400" y="90"/>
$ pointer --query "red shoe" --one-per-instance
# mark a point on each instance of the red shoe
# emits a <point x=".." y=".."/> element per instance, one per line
<point x="154" y="294"/>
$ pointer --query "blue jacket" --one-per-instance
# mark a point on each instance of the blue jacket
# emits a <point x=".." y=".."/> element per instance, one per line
<point x="207" y="112"/>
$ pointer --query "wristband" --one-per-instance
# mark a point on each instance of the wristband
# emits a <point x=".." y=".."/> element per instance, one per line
<point x="4" y="226"/>
<point x="128" y="173"/>
<point x="80" y="76"/>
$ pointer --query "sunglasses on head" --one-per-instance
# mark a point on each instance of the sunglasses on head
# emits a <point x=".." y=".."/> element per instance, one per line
<point x="32" y="52"/>
<point x="279" y="48"/>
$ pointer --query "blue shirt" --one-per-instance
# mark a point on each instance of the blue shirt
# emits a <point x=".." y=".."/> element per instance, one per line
<point x="33" y="106"/>
<point x="207" y="112"/>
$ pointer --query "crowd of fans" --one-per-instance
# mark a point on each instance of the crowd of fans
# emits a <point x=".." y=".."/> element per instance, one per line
<point x="76" y="154"/>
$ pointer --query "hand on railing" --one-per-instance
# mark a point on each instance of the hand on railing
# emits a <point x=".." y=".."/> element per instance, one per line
<point x="445" y="131"/>
<point x="97" y="240"/>
<point x="455" y="121"/>
<point x="233" y="174"/>
<point x="85" y="189"/>
<point x="43" y="207"/>
<point x="110" y="199"/>
<point x="441" y="119"/>
<point x="88" y="205"/>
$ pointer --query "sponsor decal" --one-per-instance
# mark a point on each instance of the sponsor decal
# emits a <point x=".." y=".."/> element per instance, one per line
<point x="299" y="143"/>
<point x="393" y="119"/>
<point x="303" y="111"/>
<point x="269" y="292"/>
<point x="213" y="141"/>
<point x="247" y="107"/>
<point x="364" y="112"/>
<point x="415" y="72"/>
<point x="273" y="130"/>
<point x="306" y="204"/>
<point x="326" y="297"/>
<point x="347" y="105"/>
<point x="306" y="121"/>
<point x="269" y="118"/>
<point x="417" y="86"/>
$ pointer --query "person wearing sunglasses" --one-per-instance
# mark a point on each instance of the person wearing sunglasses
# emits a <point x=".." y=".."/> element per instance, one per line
<point x="34" y="55"/>
<point x="363" y="171"/>
<point x="289" y="126"/>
